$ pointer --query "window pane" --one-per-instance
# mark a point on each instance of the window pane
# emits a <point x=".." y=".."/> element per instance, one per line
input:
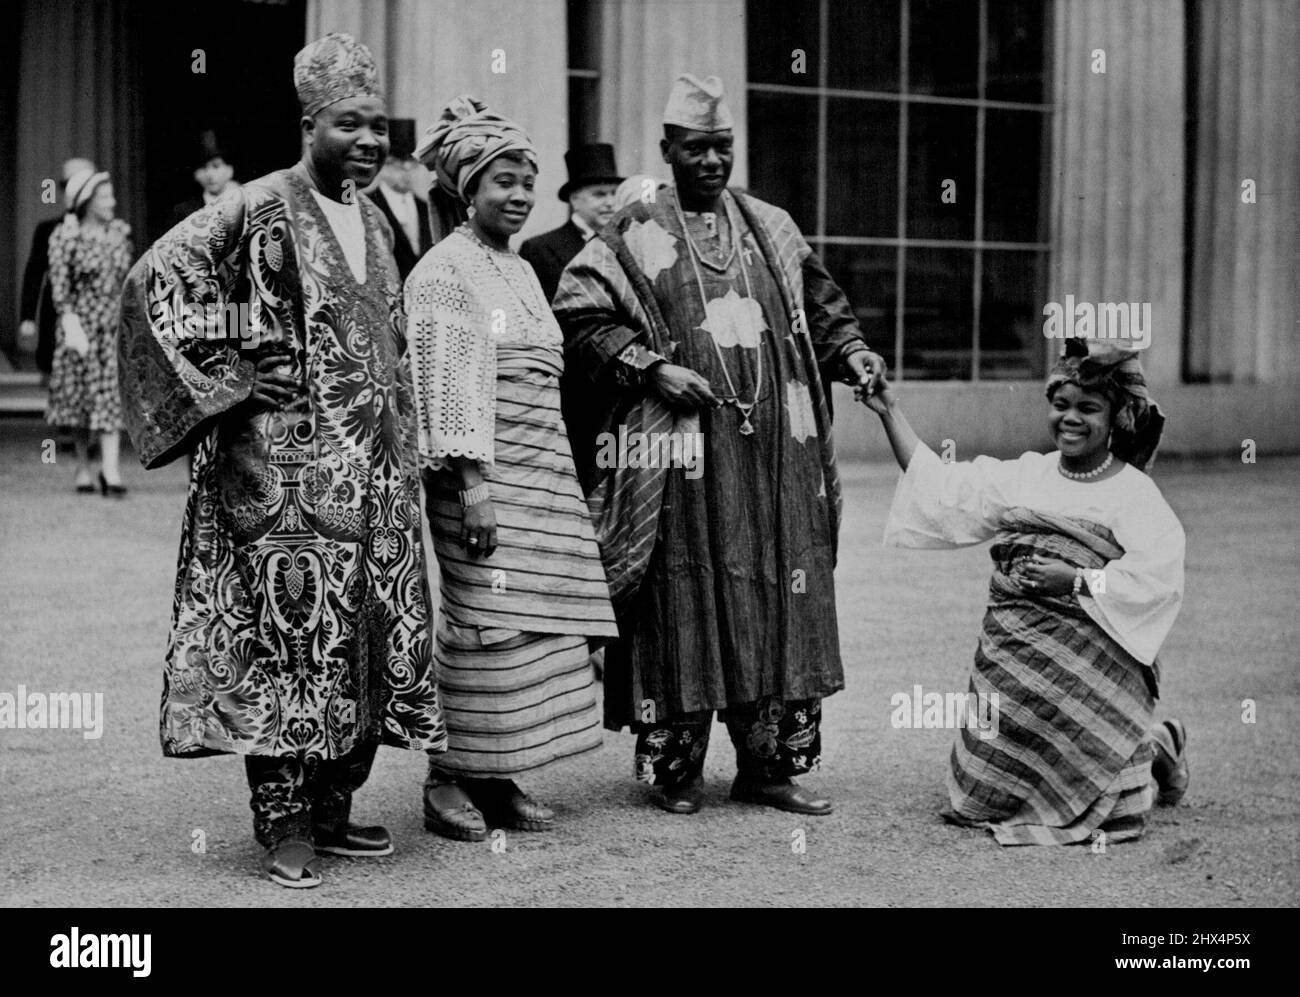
<point x="940" y="147"/>
<point x="943" y="48"/>
<point x="1014" y="291"/>
<point x="584" y="34"/>
<point x="937" y="313"/>
<point x="868" y="277"/>
<point x="774" y="29"/>
<point x="584" y="110"/>
<point x="861" y="167"/>
<point x="1017" y="52"/>
<point x="1015" y="174"/>
<point x="864" y="41"/>
<point x="783" y="153"/>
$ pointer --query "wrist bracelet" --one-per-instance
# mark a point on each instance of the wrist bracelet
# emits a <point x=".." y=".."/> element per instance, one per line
<point x="1078" y="581"/>
<point x="475" y="495"/>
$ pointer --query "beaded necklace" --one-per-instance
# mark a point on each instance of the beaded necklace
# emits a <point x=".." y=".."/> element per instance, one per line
<point x="696" y="257"/>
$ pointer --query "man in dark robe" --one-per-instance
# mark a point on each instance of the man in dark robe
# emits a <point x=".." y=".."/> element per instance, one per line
<point x="713" y="319"/>
<point x="265" y="335"/>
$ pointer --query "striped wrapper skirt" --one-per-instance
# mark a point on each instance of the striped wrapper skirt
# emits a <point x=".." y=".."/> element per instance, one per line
<point x="1070" y="754"/>
<point x="513" y="643"/>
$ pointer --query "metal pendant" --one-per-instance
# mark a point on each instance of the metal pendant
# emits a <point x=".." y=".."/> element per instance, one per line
<point x="746" y="427"/>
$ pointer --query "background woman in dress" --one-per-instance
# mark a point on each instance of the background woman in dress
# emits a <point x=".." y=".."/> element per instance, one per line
<point x="90" y="254"/>
<point x="523" y="587"/>
<point x="1087" y="581"/>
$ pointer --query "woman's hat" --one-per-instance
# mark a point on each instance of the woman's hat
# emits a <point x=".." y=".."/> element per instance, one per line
<point x="589" y="164"/>
<point x="81" y="188"/>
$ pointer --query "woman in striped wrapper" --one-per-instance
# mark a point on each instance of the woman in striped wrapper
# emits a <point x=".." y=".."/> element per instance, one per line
<point x="1087" y="581"/>
<point x="523" y="588"/>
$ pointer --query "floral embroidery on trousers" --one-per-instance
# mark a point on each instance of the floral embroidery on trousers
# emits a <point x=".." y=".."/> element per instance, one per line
<point x="291" y="795"/>
<point x="774" y="739"/>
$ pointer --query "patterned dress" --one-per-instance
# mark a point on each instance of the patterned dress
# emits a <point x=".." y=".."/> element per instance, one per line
<point x="514" y="637"/>
<point x="88" y="264"/>
<point x="1072" y="681"/>
<point x="301" y="620"/>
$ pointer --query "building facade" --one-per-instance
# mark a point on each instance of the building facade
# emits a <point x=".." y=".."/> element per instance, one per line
<point x="961" y="165"/>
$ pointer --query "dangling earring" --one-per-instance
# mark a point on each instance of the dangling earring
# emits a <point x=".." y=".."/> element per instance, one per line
<point x="470" y="211"/>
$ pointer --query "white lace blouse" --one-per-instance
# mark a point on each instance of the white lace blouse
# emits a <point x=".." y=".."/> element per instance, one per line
<point x="463" y="300"/>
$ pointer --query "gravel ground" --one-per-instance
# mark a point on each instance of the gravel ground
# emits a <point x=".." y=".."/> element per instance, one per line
<point x="86" y="593"/>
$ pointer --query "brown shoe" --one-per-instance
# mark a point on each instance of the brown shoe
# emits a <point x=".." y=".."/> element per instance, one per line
<point x="681" y="798"/>
<point x="449" y="811"/>
<point x="783" y="794"/>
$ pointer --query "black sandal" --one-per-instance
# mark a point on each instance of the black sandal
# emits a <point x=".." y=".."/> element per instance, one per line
<point x="293" y="863"/>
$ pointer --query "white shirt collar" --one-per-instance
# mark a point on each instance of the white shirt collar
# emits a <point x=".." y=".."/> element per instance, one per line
<point x="587" y="231"/>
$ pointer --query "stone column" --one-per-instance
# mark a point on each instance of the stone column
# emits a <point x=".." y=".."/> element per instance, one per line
<point x="647" y="44"/>
<point x="1118" y="164"/>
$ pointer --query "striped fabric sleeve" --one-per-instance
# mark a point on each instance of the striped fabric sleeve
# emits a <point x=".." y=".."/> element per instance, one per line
<point x="600" y="314"/>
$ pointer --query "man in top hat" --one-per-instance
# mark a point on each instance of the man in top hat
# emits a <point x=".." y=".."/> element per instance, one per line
<point x="394" y="195"/>
<point x="712" y="318"/>
<point x="593" y="182"/>
<point x="212" y="172"/>
<point x="265" y="335"/>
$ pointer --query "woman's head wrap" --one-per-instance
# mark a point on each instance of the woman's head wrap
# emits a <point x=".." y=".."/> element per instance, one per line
<point x="465" y="138"/>
<point x="1136" y="421"/>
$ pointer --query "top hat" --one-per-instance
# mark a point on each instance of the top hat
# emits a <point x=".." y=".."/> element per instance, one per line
<point x="205" y="149"/>
<point x="589" y="164"/>
<point x="401" y="138"/>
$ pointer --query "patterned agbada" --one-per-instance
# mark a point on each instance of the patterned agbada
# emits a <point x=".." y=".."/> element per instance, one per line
<point x="723" y="581"/>
<point x="1076" y="679"/>
<point x="301" y="620"/>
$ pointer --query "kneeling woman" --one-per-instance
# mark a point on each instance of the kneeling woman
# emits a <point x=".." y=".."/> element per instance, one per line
<point x="523" y="587"/>
<point x="1087" y="581"/>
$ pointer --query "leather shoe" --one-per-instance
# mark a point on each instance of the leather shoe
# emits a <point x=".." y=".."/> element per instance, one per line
<point x="450" y="812"/>
<point x="353" y="841"/>
<point x="682" y="798"/>
<point x="784" y="794"/>
<point x="506" y="805"/>
<point x="293" y="863"/>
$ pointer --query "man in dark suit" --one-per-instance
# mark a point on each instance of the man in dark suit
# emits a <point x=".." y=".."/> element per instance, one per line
<point x="394" y="197"/>
<point x="593" y="181"/>
<point x="36" y="318"/>
<point x="212" y="172"/>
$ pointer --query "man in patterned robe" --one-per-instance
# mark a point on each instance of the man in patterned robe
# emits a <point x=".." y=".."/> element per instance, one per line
<point x="264" y="335"/>
<point x="704" y="311"/>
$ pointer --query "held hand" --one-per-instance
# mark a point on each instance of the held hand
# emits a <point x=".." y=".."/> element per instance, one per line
<point x="478" y="528"/>
<point x="866" y="371"/>
<point x="681" y="387"/>
<point x="881" y="401"/>
<point x="274" y="386"/>
<point x="1047" y="575"/>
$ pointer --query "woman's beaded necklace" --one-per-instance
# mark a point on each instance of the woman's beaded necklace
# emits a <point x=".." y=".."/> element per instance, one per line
<point x="1088" y="475"/>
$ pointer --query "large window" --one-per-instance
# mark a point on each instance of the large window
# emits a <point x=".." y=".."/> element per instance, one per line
<point x="910" y="141"/>
<point x="584" y="71"/>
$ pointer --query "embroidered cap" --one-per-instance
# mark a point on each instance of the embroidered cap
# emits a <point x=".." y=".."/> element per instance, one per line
<point x="334" y="68"/>
<point x="698" y="105"/>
